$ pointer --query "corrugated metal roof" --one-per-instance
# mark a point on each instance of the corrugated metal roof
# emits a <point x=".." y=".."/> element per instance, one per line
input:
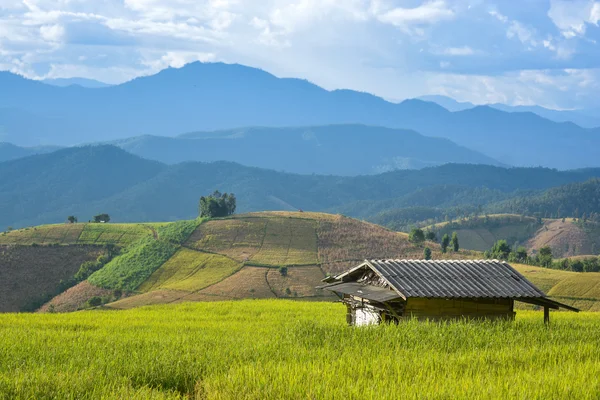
<point x="455" y="278"/>
<point x="369" y="292"/>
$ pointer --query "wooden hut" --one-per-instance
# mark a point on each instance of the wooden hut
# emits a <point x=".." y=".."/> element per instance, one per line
<point x="391" y="290"/>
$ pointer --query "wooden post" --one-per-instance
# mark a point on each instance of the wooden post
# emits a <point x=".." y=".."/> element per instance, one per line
<point x="546" y="315"/>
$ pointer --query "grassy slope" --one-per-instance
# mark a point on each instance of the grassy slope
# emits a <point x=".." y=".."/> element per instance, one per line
<point x="240" y="257"/>
<point x="480" y="233"/>
<point x="34" y="260"/>
<point x="84" y="233"/>
<point x="565" y="238"/>
<point x="581" y="290"/>
<point x="293" y="350"/>
<point x="29" y="274"/>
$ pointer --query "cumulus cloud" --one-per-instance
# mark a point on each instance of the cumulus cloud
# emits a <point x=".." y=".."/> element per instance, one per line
<point x="52" y="33"/>
<point x="573" y="16"/>
<point x="427" y="13"/>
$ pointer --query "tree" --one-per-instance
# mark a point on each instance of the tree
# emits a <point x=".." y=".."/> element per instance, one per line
<point x="427" y="253"/>
<point x="445" y="243"/>
<point x="72" y="219"/>
<point x="430" y="235"/>
<point x="545" y="256"/>
<point x="454" y="241"/>
<point x="101" y="218"/>
<point x="500" y="250"/>
<point x="416" y="235"/>
<point x="217" y="205"/>
<point x="521" y="254"/>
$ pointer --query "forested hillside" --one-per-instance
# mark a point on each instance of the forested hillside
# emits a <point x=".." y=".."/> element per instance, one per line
<point x="89" y="180"/>
<point x="577" y="200"/>
<point x="307" y="150"/>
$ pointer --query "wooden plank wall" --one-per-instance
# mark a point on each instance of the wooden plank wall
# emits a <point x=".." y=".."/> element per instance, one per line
<point x="457" y="308"/>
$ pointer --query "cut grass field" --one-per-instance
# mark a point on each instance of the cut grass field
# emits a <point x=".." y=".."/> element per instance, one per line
<point x="270" y="349"/>
<point x="71" y="234"/>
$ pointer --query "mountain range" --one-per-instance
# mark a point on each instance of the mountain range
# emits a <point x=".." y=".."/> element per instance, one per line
<point x="85" y="181"/>
<point x="216" y="96"/>
<point x="584" y="118"/>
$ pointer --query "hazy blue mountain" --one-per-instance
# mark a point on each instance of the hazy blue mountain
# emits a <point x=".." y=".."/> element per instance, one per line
<point x="213" y="96"/>
<point x="83" y="82"/>
<point x="89" y="180"/>
<point x="575" y="116"/>
<point x="583" y="118"/>
<point x="447" y="102"/>
<point x="334" y="149"/>
<point x="9" y="151"/>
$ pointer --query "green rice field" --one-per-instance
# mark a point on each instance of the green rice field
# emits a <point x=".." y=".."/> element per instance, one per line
<point x="284" y="349"/>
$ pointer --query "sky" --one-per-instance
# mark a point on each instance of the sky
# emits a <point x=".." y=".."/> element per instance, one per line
<point x="517" y="52"/>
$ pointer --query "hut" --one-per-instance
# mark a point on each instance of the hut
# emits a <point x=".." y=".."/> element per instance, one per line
<point x="392" y="290"/>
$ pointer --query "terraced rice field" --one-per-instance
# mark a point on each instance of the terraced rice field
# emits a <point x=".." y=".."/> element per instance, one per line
<point x="190" y="271"/>
<point x="70" y="234"/>
<point x="581" y="290"/>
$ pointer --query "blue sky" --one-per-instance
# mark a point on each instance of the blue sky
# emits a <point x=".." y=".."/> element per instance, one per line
<point x="511" y="51"/>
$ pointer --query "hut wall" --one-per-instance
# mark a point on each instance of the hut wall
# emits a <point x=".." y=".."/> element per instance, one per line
<point x="459" y="308"/>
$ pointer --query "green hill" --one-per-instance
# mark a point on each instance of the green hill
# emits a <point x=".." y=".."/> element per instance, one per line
<point x="480" y="233"/>
<point x="36" y="262"/>
<point x="566" y="238"/>
<point x="44" y="189"/>
<point x="255" y="255"/>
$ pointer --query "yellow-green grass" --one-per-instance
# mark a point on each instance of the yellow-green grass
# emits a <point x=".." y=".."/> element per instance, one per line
<point x="480" y="233"/>
<point x="190" y="271"/>
<point x="297" y="282"/>
<point x="44" y="234"/>
<point x="514" y="217"/>
<point x="113" y="233"/>
<point x="85" y="233"/>
<point x="236" y="238"/>
<point x="249" y="282"/>
<point x="293" y="350"/>
<point x="581" y="290"/>
<point x="288" y="241"/>
<point x="148" y="299"/>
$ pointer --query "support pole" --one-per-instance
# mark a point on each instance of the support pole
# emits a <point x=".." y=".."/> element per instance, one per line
<point x="546" y="315"/>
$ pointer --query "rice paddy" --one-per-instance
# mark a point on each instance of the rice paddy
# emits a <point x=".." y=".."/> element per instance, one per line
<point x="278" y="349"/>
<point x="70" y="234"/>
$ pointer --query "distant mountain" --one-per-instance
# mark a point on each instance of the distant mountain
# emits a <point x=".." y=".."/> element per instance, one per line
<point x="447" y="102"/>
<point x="221" y="96"/>
<point x="583" y="118"/>
<point x="334" y="149"/>
<point x="96" y="179"/>
<point x="576" y="116"/>
<point x="83" y="82"/>
<point x="9" y="151"/>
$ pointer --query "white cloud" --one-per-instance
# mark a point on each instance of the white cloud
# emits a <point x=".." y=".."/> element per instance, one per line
<point x="52" y="33"/>
<point x="458" y="51"/>
<point x="176" y="60"/>
<point x="428" y="13"/>
<point x="572" y="16"/>
<point x="368" y="45"/>
<point x="521" y="32"/>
